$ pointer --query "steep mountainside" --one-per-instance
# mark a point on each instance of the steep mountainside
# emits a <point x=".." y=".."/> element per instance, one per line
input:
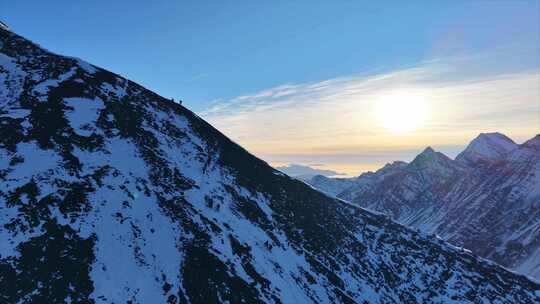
<point x="487" y="200"/>
<point x="110" y="193"/>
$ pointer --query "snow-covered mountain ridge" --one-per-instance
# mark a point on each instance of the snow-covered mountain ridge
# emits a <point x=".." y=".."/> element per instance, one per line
<point x="487" y="199"/>
<point x="110" y="193"/>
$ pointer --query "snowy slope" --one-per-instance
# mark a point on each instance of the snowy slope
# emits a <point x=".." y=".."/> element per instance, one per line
<point x="110" y="193"/>
<point x="487" y="200"/>
<point x="4" y="26"/>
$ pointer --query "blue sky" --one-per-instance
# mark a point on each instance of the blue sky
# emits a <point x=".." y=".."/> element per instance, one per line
<point x="201" y="51"/>
<point x="211" y="54"/>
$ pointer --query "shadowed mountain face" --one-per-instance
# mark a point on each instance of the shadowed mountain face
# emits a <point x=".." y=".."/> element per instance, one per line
<point x="110" y="193"/>
<point x="487" y="200"/>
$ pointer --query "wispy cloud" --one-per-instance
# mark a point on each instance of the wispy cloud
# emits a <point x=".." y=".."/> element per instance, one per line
<point x="338" y="116"/>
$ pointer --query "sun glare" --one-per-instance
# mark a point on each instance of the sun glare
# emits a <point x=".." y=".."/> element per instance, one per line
<point x="401" y="112"/>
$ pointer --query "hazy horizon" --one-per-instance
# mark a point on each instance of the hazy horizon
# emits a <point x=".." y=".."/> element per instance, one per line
<point x="365" y="162"/>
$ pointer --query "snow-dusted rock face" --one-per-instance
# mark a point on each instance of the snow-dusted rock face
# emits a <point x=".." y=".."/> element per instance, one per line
<point x="110" y="193"/>
<point x="487" y="148"/>
<point x="487" y="200"/>
<point x="4" y="26"/>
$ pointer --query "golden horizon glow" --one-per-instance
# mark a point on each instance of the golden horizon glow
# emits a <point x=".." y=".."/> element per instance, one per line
<point x="354" y="124"/>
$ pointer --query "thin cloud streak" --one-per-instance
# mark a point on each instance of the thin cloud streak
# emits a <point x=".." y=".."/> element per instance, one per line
<point x="337" y="116"/>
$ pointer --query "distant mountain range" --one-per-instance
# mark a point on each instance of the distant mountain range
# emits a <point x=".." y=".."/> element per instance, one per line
<point x="110" y="193"/>
<point x="306" y="172"/>
<point x="486" y="200"/>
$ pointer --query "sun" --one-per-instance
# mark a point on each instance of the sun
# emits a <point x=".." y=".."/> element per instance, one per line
<point x="401" y="112"/>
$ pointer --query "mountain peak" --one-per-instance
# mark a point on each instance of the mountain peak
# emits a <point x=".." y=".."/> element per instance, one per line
<point x="494" y="136"/>
<point x="487" y="147"/>
<point x="428" y="151"/>
<point x="430" y="155"/>
<point x="432" y="162"/>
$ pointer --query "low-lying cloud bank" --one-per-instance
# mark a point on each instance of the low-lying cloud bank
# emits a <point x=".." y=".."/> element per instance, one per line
<point x="296" y="170"/>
